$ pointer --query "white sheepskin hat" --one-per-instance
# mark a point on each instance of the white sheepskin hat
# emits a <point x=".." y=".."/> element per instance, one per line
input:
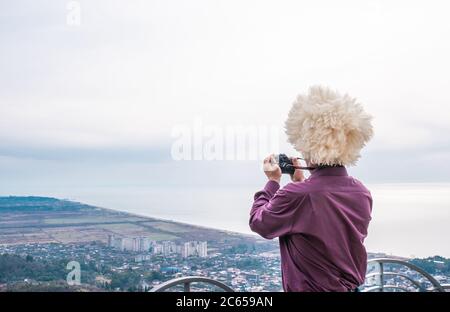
<point x="328" y="128"/>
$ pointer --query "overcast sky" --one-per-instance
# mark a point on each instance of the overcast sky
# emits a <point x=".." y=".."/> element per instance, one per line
<point x="96" y="103"/>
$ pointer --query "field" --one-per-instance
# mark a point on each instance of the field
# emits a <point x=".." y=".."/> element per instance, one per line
<point x="46" y="220"/>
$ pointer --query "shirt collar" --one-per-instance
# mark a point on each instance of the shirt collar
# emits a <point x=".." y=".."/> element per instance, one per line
<point x="329" y="171"/>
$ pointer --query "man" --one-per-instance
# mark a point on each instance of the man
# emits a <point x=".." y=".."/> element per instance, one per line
<point x="322" y="221"/>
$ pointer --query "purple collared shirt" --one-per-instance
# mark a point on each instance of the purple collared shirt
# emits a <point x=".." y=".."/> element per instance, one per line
<point x="321" y="224"/>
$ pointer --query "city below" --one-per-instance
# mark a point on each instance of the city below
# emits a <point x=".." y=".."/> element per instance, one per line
<point x="48" y="244"/>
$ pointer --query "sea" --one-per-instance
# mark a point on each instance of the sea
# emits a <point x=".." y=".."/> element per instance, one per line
<point x="408" y="219"/>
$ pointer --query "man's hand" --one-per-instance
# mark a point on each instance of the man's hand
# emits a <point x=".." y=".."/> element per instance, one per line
<point x="271" y="169"/>
<point x="298" y="174"/>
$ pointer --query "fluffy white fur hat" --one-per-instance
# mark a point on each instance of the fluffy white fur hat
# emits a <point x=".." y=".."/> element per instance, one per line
<point x="327" y="127"/>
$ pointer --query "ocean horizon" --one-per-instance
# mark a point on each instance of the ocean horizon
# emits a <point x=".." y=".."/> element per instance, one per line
<point x="408" y="219"/>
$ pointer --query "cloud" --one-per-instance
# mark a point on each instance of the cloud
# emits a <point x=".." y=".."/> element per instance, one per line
<point x="119" y="83"/>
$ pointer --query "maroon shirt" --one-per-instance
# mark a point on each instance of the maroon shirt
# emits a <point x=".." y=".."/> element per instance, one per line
<point x="321" y="224"/>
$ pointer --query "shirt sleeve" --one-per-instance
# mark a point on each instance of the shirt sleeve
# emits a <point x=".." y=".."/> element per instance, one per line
<point x="273" y="210"/>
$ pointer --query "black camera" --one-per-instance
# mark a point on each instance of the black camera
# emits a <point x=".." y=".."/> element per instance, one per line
<point x="285" y="163"/>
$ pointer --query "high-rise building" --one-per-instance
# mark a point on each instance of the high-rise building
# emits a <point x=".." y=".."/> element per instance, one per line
<point x="185" y="250"/>
<point x="202" y="249"/>
<point x="128" y="244"/>
<point x="194" y="248"/>
<point x="144" y="244"/>
<point x="136" y="244"/>
<point x="116" y="242"/>
<point x="168" y="248"/>
<point x="110" y="240"/>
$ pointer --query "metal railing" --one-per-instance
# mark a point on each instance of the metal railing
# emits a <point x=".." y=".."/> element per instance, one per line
<point x="187" y="281"/>
<point x="382" y="275"/>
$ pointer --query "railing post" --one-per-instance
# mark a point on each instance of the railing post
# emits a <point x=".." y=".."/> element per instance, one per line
<point x="187" y="287"/>
<point x="381" y="277"/>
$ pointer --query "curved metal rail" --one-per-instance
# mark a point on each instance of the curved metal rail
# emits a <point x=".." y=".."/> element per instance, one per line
<point x="436" y="286"/>
<point x="187" y="281"/>
<point x="446" y="287"/>
<point x="381" y="274"/>
<point x="416" y="283"/>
